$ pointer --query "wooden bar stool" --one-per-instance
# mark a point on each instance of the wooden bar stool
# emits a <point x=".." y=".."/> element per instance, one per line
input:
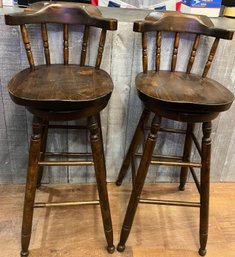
<point x="179" y="96"/>
<point x="63" y="92"/>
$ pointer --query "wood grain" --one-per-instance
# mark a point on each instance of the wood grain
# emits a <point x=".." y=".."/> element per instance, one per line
<point x="67" y="83"/>
<point x="182" y="91"/>
<point x="45" y="43"/>
<point x="172" y="231"/>
<point x="120" y="118"/>
<point x="66" y="44"/>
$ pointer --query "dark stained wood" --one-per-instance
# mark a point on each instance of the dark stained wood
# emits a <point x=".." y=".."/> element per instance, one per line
<point x="44" y="136"/>
<point x="100" y="48"/>
<point x="139" y="182"/>
<point x="100" y="172"/>
<point x="145" y="52"/>
<point x="62" y="92"/>
<point x="193" y="53"/>
<point x="205" y="186"/>
<point x="175" y="51"/>
<point x="84" y="45"/>
<point x="175" y="21"/>
<point x="25" y="39"/>
<point x="158" y="51"/>
<point x="181" y="91"/>
<point x="45" y="43"/>
<point x="180" y="96"/>
<point x="186" y="23"/>
<point x="34" y="155"/>
<point x="211" y="56"/>
<point x="186" y="154"/>
<point x="178" y="91"/>
<point x="66" y="44"/>
<point x="62" y="12"/>
<point x="134" y="146"/>
<point x="78" y="86"/>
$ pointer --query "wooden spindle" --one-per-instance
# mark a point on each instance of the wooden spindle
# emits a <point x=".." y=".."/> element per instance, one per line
<point x="175" y="51"/>
<point x="211" y="57"/>
<point x="66" y="44"/>
<point x="100" y="49"/>
<point x="145" y="52"/>
<point x="27" y="45"/>
<point x="45" y="43"/>
<point x="84" y="46"/>
<point x="193" y="53"/>
<point x="158" y="50"/>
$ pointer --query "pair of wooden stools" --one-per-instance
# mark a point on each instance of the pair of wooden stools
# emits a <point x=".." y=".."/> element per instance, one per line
<point x="62" y="92"/>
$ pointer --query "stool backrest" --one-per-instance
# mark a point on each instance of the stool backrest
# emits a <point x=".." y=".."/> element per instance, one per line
<point x="179" y="23"/>
<point x="66" y="14"/>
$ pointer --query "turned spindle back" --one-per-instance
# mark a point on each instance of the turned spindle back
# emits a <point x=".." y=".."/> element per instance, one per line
<point x="66" y="14"/>
<point x="179" y="23"/>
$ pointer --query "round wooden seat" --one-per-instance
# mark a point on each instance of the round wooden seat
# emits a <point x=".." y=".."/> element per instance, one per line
<point x="179" y="91"/>
<point x="61" y="87"/>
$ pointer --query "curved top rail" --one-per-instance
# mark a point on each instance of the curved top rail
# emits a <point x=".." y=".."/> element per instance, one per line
<point x="62" y="12"/>
<point x="181" y="22"/>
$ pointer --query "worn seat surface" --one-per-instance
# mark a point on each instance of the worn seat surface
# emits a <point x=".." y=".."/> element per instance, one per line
<point x="183" y="92"/>
<point x="60" y="87"/>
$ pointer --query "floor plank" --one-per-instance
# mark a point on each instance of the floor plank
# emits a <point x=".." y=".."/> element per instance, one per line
<point x="164" y="231"/>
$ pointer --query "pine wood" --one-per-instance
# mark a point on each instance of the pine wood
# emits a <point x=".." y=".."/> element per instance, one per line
<point x="45" y="43"/>
<point x="176" y="22"/>
<point x="175" y="51"/>
<point x="186" y="154"/>
<point x="79" y="85"/>
<point x="83" y="14"/>
<point x="100" y="48"/>
<point x="172" y="231"/>
<point x="158" y="50"/>
<point x="84" y="45"/>
<point x="66" y="44"/>
<point x="118" y="59"/>
<point x="193" y="53"/>
<point x="181" y="97"/>
<point x="145" y="52"/>
<point x="211" y="57"/>
<point x="180" y="91"/>
<point x="160" y="21"/>
<point x="25" y="39"/>
<point x="62" y="92"/>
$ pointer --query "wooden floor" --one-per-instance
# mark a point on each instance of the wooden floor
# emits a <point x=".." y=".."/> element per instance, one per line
<point x="163" y="231"/>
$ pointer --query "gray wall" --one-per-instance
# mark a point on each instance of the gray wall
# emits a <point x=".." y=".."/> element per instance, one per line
<point x="122" y="59"/>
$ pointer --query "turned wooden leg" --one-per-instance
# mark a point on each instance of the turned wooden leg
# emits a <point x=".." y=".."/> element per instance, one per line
<point x="139" y="182"/>
<point x="101" y="134"/>
<point x="205" y="186"/>
<point x="100" y="172"/>
<point x="133" y="169"/>
<point x="43" y="149"/>
<point x="30" y="190"/>
<point x="133" y="146"/>
<point x="186" y="155"/>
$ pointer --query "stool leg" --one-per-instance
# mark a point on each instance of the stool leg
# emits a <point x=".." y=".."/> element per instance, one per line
<point x="100" y="172"/>
<point x="139" y="182"/>
<point x="186" y="155"/>
<point x="30" y="190"/>
<point x="205" y="185"/>
<point x="43" y="149"/>
<point x="101" y="134"/>
<point x="133" y="146"/>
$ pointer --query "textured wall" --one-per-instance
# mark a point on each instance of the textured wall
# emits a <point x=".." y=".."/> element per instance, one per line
<point x="122" y="59"/>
